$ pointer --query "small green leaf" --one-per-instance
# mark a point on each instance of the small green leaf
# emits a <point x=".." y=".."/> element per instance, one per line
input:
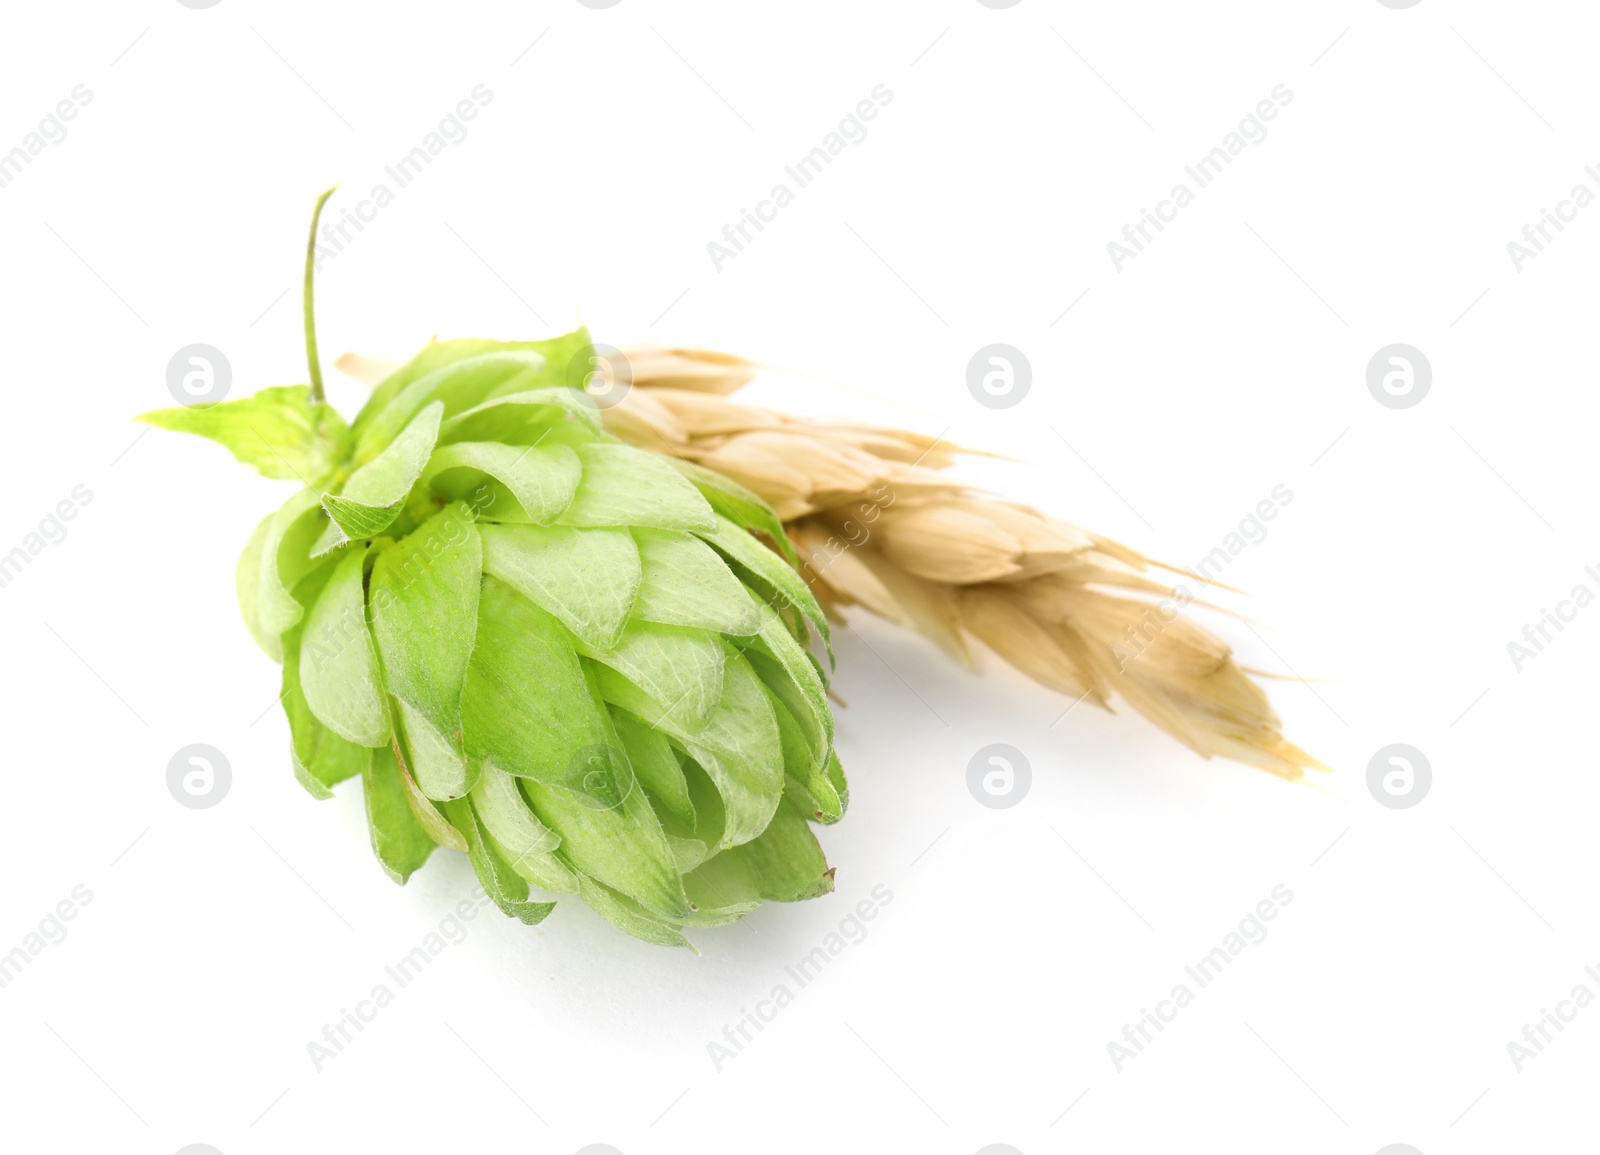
<point x="680" y="668"/>
<point x="352" y="521"/>
<point x="687" y="853"/>
<point x="528" y="708"/>
<point x="440" y="770"/>
<point x="284" y="559"/>
<point x="556" y="351"/>
<point x="455" y="388"/>
<point x="320" y="757"/>
<point x="559" y="354"/>
<point x="723" y="889"/>
<point x="373" y="496"/>
<point x="247" y="583"/>
<point x="807" y="785"/>
<point x="706" y="830"/>
<point x="424" y="599"/>
<point x="307" y="777"/>
<point x="786" y="861"/>
<point x="548" y="873"/>
<point x="789" y="672"/>
<point x="585" y="577"/>
<point x="712" y="887"/>
<point x="837" y="780"/>
<point x="622" y="846"/>
<point x="654" y="764"/>
<point x="398" y="839"/>
<point x="521" y="418"/>
<point x="631" y="487"/>
<point x="779" y="583"/>
<point x="785" y="864"/>
<point x="685" y="582"/>
<point x="629" y="916"/>
<point x="527" y="845"/>
<point x="433" y="356"/>
<point x="822" y="807"/>
<point x="504" y="886"/>
<point x="338" y="666"/>
<point x="739" y="746"/>
<point x="542" y="480"/>
<point x="278" y="430"/>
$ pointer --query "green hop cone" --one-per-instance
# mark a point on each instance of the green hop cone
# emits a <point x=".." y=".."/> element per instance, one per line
<point x="568" y="658"/>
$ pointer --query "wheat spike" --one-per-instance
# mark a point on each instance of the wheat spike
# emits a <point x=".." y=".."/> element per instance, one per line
<point x="879" y="525"/>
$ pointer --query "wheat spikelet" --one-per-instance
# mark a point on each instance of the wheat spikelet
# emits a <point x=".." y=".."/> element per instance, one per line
<point x="879" y="525"/>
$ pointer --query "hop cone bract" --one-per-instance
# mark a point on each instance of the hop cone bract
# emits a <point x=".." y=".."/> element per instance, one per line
<point x="564" y="656"/>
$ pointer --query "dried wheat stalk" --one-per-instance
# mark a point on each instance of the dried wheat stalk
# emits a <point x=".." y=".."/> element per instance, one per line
<point x="879" y="525"/>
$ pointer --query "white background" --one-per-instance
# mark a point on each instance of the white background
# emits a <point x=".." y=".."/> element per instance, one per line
<point x="1228" y="358"/>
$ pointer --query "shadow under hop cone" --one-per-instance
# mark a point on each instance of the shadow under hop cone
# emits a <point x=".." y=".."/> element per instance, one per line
<point x="562" y="655"/>
<point x="880" y="525"/>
